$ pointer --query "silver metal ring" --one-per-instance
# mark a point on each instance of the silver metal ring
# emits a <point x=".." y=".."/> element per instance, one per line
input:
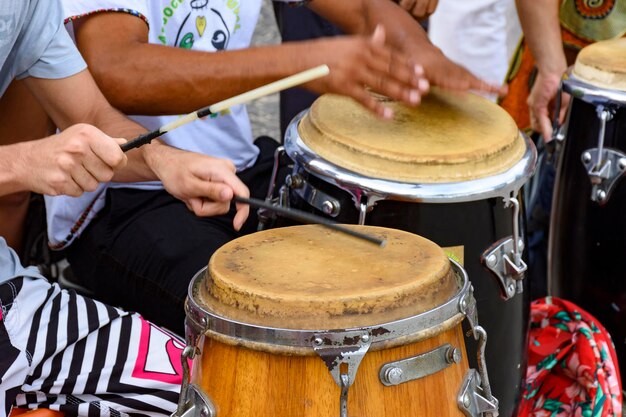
<point x="499" y="185"/>
<point x="207" y="321"/>
<point x="590" y="93"/>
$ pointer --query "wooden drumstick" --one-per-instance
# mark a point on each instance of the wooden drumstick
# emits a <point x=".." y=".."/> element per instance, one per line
<point x="271" y="88"/>
<point x="305" y="217"/>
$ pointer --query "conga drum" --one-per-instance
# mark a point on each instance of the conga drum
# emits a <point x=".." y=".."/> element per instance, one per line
<point x="586" y="243"/>
<point x="449" y="170"/>
<point x="306" y="322"/>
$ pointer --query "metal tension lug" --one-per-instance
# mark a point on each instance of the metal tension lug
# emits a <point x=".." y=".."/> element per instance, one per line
<point x="342" y="353"/>
<point x="338" y="350"/>
<point x="316" y="198"/>
<point x="500" y="260"/>
<point x="420" y="366"/>
<point x="471" y="399"/>
<point x="197" y="404"/>
<point x="603" y="175"/>
<point x="467" y="307"/>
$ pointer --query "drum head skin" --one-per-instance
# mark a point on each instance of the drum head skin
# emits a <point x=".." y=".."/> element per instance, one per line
<point x="310" y="277"/>
<point x="450" y="137"/>
<point x="603" y="64"/>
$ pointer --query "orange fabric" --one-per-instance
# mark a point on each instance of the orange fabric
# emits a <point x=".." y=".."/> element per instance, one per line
<point x="40" y="412"/>
<point x="519" y="79"/>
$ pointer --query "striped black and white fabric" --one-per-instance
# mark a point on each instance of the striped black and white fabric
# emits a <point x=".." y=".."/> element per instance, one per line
<point x="66" y="352"/>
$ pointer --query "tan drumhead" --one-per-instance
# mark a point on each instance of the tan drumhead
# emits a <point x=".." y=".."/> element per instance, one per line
<point x="309" y="277"/>
<point x="603" y="64"/>
<point x="450" y="137"/>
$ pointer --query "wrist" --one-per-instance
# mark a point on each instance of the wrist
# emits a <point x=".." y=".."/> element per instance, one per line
<point x="152" y="154"/>
<point x="14" y="164"/>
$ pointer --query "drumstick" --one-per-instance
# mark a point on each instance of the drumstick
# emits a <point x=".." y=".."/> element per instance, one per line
<point x="302" y="216"/>
<point x="271" y="88"/>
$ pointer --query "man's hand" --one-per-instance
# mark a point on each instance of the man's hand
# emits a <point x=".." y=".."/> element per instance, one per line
<point x="541" y="103"/>
<point x="419" y="9"/>
<point x="359" y="61"/>
<point x="206" y="185"/>
<point x="71" y="162"/>
<point x="446" y="74"/>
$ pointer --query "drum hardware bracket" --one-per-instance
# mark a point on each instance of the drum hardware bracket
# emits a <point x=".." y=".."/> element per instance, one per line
<point x="419" y="366"/>
<point x="337" y="349"/>
<point x="504" y="258"/>
<point x="197" y="404"/>
<point x="604" y="166"/>
<point x="475" y="398"/>
<point x="342" y="353"/>
<point x="467" y="307"/>
<point x="603" y="177"/>
<point x="263" y="214"/>
<point x="192" y="401"/>
<point x="314" y="197"/>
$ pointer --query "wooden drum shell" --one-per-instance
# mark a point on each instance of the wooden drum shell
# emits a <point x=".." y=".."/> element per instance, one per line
<point x="243" y="382"/>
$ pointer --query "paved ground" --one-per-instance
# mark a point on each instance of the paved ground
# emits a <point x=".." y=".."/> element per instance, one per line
<point x="264" y="112"/>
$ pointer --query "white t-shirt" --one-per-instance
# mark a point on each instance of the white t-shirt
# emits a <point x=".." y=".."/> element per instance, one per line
<point x="481" y="35"/>
<point x="205" y="25"/>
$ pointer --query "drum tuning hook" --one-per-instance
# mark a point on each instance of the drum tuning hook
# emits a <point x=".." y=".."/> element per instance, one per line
<point x="504" y="258"/>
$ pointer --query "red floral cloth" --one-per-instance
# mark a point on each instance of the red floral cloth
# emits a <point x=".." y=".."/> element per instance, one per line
<point x="572" y="365"/>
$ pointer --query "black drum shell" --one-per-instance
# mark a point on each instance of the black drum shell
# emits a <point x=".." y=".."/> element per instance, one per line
<point x="587" y="240"/>
<point x="475" y="225"/>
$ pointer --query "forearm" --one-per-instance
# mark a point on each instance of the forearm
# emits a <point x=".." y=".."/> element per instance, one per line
<point x="11" y="158"/>
<point x="115" y="124"/>
<point x="542" y="34"/>
<point x="181" y="81"/>
<point x="362" y="17"/>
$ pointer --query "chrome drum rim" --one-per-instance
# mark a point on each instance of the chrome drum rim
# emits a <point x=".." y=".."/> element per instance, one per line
<point x="503" y="185"/>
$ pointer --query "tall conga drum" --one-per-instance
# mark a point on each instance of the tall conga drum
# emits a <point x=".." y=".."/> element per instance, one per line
<point x="306" y="322"/>
<point x="449" y="170"/>
<point x="588" y="220"/>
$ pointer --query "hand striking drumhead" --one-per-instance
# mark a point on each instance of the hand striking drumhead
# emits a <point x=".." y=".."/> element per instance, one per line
<point x="309" y="277"/>
<point x="450" y="137"/>
<point x="603" y="64"/>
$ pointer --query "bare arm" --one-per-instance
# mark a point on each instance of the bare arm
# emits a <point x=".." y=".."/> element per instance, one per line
<point x="205" y="184"/>
<point x="403" y="33"/>
<point x="78" y="99"/>
<point x="142" y="78"/>
<point x="542" y="33"/>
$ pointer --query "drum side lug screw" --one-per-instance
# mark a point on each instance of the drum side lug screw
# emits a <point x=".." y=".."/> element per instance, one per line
<point x="466" y="400"/>
<point x="492" y="260"/>
<point x="365" y="337"/>
<point x="330" y="208"/>
<point x="394" y="375"/>
<point x="511" y="290"/>
<point x="294" y="181"/>
<point x="586" y="157"/>
<point x="622" y="164"/>
<point x="318" y="341"/>
<point x="453" y="355"/>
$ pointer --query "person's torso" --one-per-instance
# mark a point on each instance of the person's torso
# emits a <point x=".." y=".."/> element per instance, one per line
<point x="210" y="26"/>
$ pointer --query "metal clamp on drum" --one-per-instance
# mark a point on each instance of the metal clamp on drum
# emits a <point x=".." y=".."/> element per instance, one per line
<point x="604" y="166"/>
<point x="192" y="401"/>
<point x="420" y="366"/>
<point x="475" y="398"/>
<point x="342" y="353"/>
<point x="504" y="258"/>
<point x="316" y="198"/>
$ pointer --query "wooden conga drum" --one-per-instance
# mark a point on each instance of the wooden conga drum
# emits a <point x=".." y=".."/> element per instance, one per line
<point x="588" y="220"/>
<point x="306" y="322"/>
<point x="449" y="170"/>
